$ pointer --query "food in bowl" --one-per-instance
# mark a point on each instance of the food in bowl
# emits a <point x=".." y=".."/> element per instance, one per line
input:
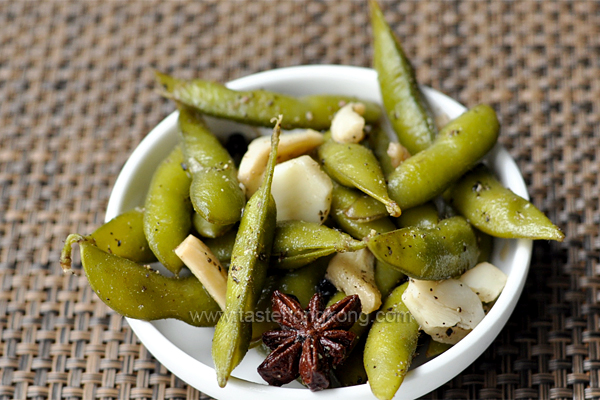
<point x="367" y="215"/>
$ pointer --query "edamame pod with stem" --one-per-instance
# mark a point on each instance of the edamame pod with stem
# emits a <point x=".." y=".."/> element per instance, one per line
<point x="124" y="236"/>
<point x="298" y="243"/>
<point x="257" y="107"/>
<point x="247" y="273"/>
<point x="341" y="199"/>
<point x="139" y="292"/>
<point x="386" y="276"/>
<point x="353" y="165"/>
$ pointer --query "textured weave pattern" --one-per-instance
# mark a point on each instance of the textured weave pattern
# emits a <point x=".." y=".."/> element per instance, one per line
<point x="77" y="95"/>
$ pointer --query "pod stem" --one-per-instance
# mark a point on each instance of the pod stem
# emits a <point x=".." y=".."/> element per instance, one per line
<point x="65" y="254"/>
<point x="273" y="154"/>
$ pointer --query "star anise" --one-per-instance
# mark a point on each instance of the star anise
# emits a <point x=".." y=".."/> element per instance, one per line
<point x="310" y="342"/>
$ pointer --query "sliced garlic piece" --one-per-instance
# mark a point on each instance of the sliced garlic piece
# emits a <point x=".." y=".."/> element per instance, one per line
<point x="397" y="153"/>
<point x="347" y="125"/>
<point x="486" y="280"/>
<point x="354" y="273"/>
<point x="205" y="266"/>
<point x="302" y="191"/>
<point x="291" y="145"/>
<point x="446" y="310"/>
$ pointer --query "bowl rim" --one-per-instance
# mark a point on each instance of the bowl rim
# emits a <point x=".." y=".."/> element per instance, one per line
<point x="431" y="374"/>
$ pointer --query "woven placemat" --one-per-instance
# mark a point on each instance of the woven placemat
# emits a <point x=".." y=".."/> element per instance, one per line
<point x="76" y="97"/>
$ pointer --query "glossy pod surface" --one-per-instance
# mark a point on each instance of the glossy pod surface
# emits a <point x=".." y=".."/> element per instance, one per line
<point x="208" y="230"/>
<point x="436" y="253"/>
<point x="298" y="243"/>
<point x="222" y="246"/>
<point x="257" y="107"/>
<point x="423" y="216"/>
<point x="124" y="236"/>
<point x="168" y="210"/>
<point x="457" y="148"/>
<point x="366" y="208"/>
<point x="247" y="274"/>
<point x="405" y="105"/>
<point x="342" y="199"/>
<point x="354" y="165"/>
<point x="496" y="210"/>
<point x="390" y="346"/>
<point x="215" y="191"/>
<point x="137" y="291"/>
<point x="295" y="244"/>
<point x="379" y="142"/>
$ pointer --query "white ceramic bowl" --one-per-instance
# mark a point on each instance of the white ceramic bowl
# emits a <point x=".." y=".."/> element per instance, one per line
<point x="185" y="350"/>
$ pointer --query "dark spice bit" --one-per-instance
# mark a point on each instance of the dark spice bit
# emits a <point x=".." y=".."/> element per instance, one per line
<point x="310" y="342"/>
<point x="325" y="288"/>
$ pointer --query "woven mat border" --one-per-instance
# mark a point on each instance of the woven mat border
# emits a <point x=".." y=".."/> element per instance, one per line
<point x="76" y="96"/>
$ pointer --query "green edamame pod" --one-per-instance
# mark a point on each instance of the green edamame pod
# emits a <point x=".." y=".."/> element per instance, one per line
<point x="457" y="148"/>
<point x="337" y="296"/>
<point x="208" y="230"/>
<point x="390" y="346"/>
<point x="222" y="246"/>
<point x="435" y="348"/>
<point x="302" y="282"/>
<point x="423" y="216"/>
<point x="298" y="243"/>
<point x="124" y="236"/>
<point x="406" y="107"/>
<point x="354" y="165"/>
<point x="496" y="210"/>
<point x="436" y="253"/>
<point x="351" y="371"/>
<point x="379" y="142"/>
<point x="136" y="291"/>
<point x="366" y="208"/>
<point x="215" y="190"/>
<point x="168" y="210"/>
<point x="263" y="321"/>
<point x="386" y="277"/>
<point x="485" y="243"/>
<point x="257" y="107"/>
<point x="247" y="273"/>
<point x="341" y="199"/>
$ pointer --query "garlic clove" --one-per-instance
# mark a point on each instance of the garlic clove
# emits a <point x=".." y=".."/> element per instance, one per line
<point x="302" y="191"/>
<point x="486" y="280"/>
<point x="291" y="145"/>
<point x="446" y="310"/>
<point x="347" y="125"/>
<point x="354" y="273"/>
